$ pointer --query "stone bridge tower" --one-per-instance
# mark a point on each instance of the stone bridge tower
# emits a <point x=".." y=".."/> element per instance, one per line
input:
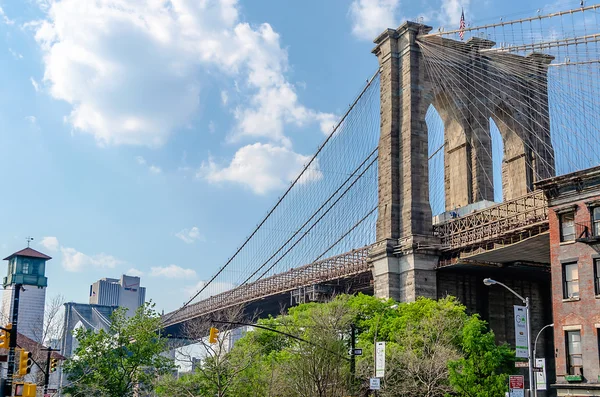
<point x="406" y="254"/>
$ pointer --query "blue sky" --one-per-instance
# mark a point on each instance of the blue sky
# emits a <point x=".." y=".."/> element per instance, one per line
<point x="153" y="135"/>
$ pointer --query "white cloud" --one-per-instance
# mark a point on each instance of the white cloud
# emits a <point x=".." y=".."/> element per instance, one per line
<point x="190" y="235"/>
<point x="132" y="69"/>
<point x="327" y="122"/>
<point x="75" y="261"/>
<point x="15" y="54"/>
<point x="261" y="167"/>
<point x="371" y="17"/>
<point x="134" y="272"/>
<point x="154" y="169"/>
<point x="31" y="119"/>
<point x="451" y="10"/>
<point x="224" y="97"/>
<point x="35" y="84"/>
<point x="211" y="127"/>
<point x="50" y="243"/>
<point x="172" y="271"/>
<point x="4" y="18"/>
<point x="213" y="289"/>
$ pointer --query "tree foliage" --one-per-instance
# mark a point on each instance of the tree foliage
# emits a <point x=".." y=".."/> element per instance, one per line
<point x="434" y="348"/>
<point x="121" y="361"/>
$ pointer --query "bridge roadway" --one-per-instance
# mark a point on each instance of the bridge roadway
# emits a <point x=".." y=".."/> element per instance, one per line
<point x="271" y="290"/>
<point x="514" y="231"/>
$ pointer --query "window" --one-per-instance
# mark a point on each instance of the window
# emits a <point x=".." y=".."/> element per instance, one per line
<point x="570" y="280"/>
<point x="596" y="221"/>
<point x="25" y="267"/>
<point x="574" y="358"/>
<point x="597" y="276"/>
<point x="567" y="227"/>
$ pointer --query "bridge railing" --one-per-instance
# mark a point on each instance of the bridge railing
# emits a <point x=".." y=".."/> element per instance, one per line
<point x="344" y="265"/>
<point x="496" y="222"/>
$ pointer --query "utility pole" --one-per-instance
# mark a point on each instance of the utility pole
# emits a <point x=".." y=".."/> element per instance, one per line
<point x="47" y="372"/>
<point x="12" y="341"/>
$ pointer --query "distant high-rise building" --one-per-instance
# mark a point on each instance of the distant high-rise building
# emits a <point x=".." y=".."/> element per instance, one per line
<point x="125" y="292"/>
<point x="27" y="268"/>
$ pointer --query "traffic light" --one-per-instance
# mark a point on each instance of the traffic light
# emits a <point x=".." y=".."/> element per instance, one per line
<point x="5" y="337"/>
<point x="213" y="335"/>
<point x="30" y="390"/>
<point x="25" y="363"/>
<point x="53" y="364"/>
<point x="25" y="389"/>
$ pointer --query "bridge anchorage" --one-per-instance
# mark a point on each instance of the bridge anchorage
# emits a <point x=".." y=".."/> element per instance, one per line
<point x="427" y="184"/>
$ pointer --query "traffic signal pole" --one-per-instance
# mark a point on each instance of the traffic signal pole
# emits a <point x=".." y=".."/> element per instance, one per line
<point x="47" y="374"/>
<point x="48" y="369"/>
<point x="12" y="342"/>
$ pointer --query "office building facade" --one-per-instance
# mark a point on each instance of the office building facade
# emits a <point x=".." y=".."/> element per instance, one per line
<point x="124" y="292"/>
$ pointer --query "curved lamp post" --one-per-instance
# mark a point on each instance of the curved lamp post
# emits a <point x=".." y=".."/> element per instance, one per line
<point x="489" y="282"/>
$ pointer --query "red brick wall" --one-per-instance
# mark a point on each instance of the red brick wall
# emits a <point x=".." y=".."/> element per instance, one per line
<point x="586" y="310"/>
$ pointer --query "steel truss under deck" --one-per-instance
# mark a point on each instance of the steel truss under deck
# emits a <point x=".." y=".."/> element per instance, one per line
<point x="334" y="268"/>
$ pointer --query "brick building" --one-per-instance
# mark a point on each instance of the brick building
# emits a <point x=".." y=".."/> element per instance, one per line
<point x="574" y="219"/>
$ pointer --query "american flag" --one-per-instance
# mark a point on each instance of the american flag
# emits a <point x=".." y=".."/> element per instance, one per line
<point x="461" y="33"/>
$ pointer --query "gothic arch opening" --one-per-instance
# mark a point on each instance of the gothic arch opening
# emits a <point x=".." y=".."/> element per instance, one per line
<point x="497" y="157"/>
<point x="435" y="140"/>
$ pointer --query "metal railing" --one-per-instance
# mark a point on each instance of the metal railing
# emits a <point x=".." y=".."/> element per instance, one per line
<point x="336" y="267"/>
<point x="511" y="217"/>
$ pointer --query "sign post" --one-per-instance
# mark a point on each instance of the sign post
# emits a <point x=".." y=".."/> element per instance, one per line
<point x="374" y="384"/>
<point x="516" y="386"/>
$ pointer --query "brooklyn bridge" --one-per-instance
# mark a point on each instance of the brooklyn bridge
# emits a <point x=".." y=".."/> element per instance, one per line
<point x="429" y="182"/>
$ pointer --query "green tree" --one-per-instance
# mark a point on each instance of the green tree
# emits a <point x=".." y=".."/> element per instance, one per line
<point x="433" y="348"/>
<point x="120" y="361"/>
<point x="484" y="368"/>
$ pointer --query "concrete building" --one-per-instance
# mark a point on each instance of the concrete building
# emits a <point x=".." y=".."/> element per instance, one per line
<point x="124" y="292"/>
<point x="26" y="267"/>
<point x="574" y="216"/>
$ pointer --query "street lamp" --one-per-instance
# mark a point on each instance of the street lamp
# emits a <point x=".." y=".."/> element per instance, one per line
<point x="535" y="350"/>
<point x="488" y="282"/>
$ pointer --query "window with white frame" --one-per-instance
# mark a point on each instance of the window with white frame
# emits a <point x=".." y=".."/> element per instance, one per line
<point x="574" y="353"/>
<point x="570" y="280"/>
<point x="567" y="227"/>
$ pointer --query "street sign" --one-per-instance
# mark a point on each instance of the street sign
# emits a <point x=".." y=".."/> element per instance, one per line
<point x="357" y="352"/>
<point x="516" y="386"/>
<point x="521" y="337"/>
<point x="540" y="376"/>
<point x="375" y="384"/>
<point x="380" y="359"/>
<point x="521" y="364"/>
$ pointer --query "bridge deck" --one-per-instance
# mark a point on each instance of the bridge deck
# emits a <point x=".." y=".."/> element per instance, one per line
<point x="509" y="221"/>
<point x="333" y="268"/>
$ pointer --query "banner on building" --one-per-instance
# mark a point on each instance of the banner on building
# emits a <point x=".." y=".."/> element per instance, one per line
<point x="380" y="359"/>
<point x="540" y="375"/>
<point x="521" y="337"/>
